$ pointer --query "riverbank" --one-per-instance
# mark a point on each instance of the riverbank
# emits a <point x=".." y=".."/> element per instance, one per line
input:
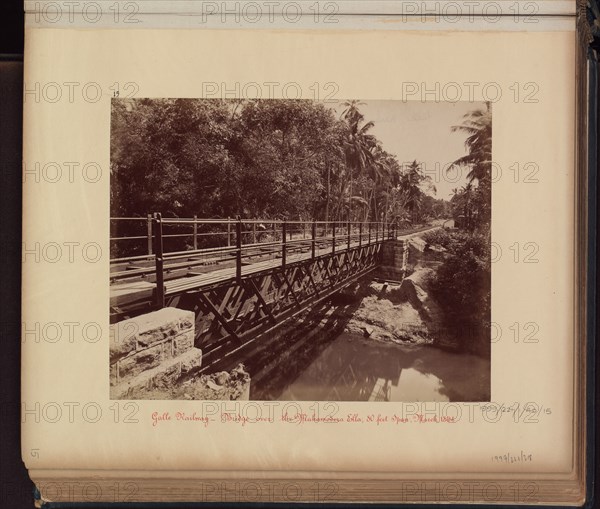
<point x="232" y="385"/>
<point x="401" y="313"/>
<point x="377" y="340"/>
<point x="372" y="342"/>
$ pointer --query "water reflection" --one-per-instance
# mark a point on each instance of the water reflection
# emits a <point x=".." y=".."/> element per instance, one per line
<point x="352" y="368"/>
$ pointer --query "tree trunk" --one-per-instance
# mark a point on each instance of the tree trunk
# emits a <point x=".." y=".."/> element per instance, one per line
<point x="328" y="193"/>
<point x="375" y="211"/>
<point x="350" y="194"/>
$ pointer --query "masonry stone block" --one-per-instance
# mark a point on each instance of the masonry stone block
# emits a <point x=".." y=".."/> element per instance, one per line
<point x="143" y="331"/>
<point x="164" y="375"/>
<point x="191" y="361"/>
<point x="113" y="374"/>
<point x="183" y="342"/>
<point x="122" y="339"/>
<point x="152" y="351"/>
<point x="143" y="360"/>
<point x="162" y="324"/>
<point x="187" y="321"/>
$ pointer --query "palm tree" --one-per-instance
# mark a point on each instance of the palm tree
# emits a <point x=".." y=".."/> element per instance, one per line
<point x="412" y="181"/>
<point x="334" y="167"/>
<point x="464" y="203"/>
<point x="381" y="172"/>
<point x="396" y="210"/>
<point x="358" y="145"/>
<point x="352" y="113"/>
<point x="477" y="125"/>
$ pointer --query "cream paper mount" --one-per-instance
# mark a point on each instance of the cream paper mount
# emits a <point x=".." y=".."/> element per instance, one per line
<point x="89" y="438"/>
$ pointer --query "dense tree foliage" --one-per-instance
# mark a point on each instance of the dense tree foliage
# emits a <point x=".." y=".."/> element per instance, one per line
<point x="259" y="158"/>
<point x="462" y="283"/>
<point x="462" y="286"/>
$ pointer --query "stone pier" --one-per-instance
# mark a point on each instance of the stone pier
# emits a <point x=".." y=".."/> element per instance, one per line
<point x="152" y="351"/>
<point x="394" y="257"/>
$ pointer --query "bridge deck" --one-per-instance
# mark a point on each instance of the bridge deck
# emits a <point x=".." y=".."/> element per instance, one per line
<point x="123" y="293"/>
<point x="202" y="271"/>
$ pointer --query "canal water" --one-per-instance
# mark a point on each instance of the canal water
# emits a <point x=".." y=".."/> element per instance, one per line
<point x="354" y="368"/>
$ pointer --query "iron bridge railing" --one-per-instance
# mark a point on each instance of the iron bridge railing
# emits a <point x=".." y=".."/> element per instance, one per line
<point x="154" y="248"/>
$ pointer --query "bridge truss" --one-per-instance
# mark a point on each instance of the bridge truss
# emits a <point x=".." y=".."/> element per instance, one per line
<point x="245" y="288"/>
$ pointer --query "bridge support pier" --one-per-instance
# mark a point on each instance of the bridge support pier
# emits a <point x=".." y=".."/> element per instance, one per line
<point x="394" y="259"/>
<point x="152" y="351"/>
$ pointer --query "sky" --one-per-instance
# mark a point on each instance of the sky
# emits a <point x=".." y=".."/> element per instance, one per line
<point x="421" y="130"/>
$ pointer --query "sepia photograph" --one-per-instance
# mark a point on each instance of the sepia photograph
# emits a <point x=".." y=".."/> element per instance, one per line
<point x="277" y="249"/>
<point x="314" y="293"/>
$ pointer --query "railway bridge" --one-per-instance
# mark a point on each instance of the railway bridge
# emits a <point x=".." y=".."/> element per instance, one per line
<point x="240" y="277"/>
